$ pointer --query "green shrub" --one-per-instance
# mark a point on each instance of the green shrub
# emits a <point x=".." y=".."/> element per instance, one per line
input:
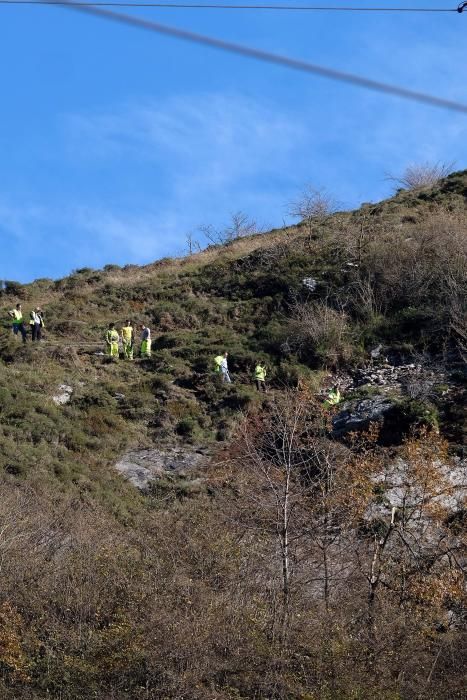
<point x="185" y="426"/>
<point x="14" y="289"/>
<point x="94" y="396"/>
<point x="420" y="413"/>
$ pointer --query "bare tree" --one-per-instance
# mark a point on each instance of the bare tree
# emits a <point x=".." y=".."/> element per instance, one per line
<point x="270" y="451"/>
<point x="240" y="226"/>
<point x="193" y="246"/>
<point x="312" y="206"/>
<point x="408" y="554"/>
<point x="305" y="492"/>
<point x="458" y="325"/>
<point x="418" y="176"/>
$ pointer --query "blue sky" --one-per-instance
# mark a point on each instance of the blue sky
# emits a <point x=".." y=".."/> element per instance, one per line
<point x="115" y="143"/>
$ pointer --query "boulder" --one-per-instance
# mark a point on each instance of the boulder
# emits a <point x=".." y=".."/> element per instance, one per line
<point x="357" y="415"/>
<point x="394" y="415"/>
<point x="141" y="467"/>
<point x="63" y="396"/>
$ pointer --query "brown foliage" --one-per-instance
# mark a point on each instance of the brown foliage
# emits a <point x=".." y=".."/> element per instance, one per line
<point x="291" y="579"/>
<point x="317" y="328"/>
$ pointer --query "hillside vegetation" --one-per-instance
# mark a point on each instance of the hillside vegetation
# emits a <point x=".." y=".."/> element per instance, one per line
<point x="277" y="569"/>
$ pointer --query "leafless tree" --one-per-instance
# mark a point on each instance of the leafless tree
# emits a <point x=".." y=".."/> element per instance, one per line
<point x="418" y="176"/>
<point x="240" y="226"/>
<point x="300" y="488"/>
<point x="312" y="206"/>
<point x="193" y="246"/>
<point x="408" y="555"/>
<point x="269" y="450"/>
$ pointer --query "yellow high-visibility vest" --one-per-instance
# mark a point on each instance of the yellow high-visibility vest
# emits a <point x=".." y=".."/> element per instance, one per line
<point x="17" y="315"/>
<point x="334" y="397"/>
<point x="111" y="336"/>
<point x="127" y="334"/>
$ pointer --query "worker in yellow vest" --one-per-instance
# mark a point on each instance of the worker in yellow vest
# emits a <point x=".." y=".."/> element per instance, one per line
<point x="217" y="363"/>
<point x="334" y="397"/>
<point x="127" y="340"/>
<point x="260" y="376"/>
<point x="18" y="324"/>
<point x="145" y="342"/>
<point x="221" y="367"/>
<point x="111" y="340"/>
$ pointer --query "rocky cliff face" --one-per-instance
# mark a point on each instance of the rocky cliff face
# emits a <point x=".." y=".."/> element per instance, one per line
<point x="399" y="398"/>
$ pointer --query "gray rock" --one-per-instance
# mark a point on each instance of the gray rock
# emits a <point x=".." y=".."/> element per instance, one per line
<point x="376" y="352"/>
<point x="141" y="467"/>
<point x="63" y="396"/>
<point x="400" y="492"/>
<point x="310" y="283"/>
<point x="358" y="415"/>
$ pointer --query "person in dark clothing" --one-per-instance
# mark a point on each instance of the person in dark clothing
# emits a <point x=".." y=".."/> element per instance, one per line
<point x="37" y="323"/>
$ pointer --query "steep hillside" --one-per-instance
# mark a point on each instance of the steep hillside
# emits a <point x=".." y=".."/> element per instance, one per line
<point x="113" y="592"/>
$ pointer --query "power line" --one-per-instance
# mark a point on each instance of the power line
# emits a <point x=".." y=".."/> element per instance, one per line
<point x="216" y="6"/>
<point x="270" y="57"/>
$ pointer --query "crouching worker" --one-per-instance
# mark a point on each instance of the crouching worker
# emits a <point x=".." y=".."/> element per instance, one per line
<point x="145" y="342"/>
<point x="260" y="376"/>
<point x="127" y="340"/>
<point x="111" y="341"/>
<point x="334" y="397"/>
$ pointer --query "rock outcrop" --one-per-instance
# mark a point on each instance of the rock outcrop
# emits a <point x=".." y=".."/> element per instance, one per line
<point x="141" y="467"/>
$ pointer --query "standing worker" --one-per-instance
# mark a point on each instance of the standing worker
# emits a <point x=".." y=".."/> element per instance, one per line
<point x="18" y="325"/>
<point x="111" y="339"/>
<point x="127" y="340"/>
<point x="217" y="363"/>
<point x="222" y="368"/>
<point x="145" y="342"/>
<point x="260" y="376"/>
<point x="36" y="323"/>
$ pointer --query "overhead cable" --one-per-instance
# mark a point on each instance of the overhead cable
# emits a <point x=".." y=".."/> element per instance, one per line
<point x="222" y="6"/>
<point x="270" y="57"/>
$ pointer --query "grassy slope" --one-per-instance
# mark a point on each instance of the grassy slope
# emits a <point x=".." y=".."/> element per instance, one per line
<point x="239" y="298"/>
<point x="235" y="297"/>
